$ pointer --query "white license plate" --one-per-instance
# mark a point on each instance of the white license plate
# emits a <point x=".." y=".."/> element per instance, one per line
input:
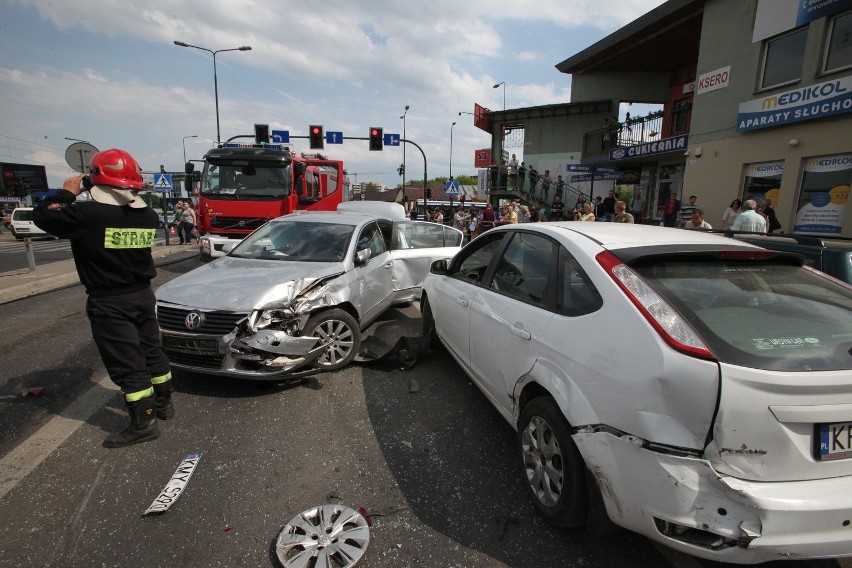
<point x="835" y="441"/>
<point x="174" y="488"/>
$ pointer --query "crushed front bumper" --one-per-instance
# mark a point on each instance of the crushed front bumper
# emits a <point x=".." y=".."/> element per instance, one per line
<point x="265" y="355"/>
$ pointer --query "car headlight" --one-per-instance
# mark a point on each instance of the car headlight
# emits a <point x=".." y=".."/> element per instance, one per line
<point x="278" y="318"/>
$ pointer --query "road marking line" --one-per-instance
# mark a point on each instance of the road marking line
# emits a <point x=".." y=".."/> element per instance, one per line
<point x="21" y="461"/>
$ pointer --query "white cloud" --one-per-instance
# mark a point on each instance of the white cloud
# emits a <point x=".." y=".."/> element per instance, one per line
<point x="346" y="64"/>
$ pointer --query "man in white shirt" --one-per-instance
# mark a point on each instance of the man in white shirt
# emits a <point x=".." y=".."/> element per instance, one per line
<point x="513" y="172"/>
<point x="637" y="205"/>
<point x="750" y="220"/>
<point x="697" y="221"/>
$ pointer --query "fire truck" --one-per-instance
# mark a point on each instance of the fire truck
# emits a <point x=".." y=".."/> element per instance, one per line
<point x="242" y="186"/>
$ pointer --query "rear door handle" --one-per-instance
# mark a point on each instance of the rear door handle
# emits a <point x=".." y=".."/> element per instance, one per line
<point x="462" y="301"/>
<point x="516" y="329"/>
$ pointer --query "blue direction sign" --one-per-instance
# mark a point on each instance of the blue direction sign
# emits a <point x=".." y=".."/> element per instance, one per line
<point x="162" y="182"/>
<point x="280" y="137"/>
<point x="391" y="139"/>
<point x="334" y="138"/>
<point x="451" y="188"/>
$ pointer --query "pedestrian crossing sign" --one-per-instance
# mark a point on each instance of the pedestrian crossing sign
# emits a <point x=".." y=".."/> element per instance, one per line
<point x="162" y="182"/>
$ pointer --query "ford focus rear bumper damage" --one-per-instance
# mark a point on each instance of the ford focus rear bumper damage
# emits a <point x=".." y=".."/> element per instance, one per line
<point x="682" y="502"/>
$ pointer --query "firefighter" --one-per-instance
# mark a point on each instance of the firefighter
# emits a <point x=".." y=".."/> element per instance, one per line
<point x="111" y="237"/>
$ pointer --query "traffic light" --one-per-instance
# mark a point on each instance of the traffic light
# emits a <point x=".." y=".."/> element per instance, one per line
<point x="376" y="138"/>
<point x="316" y="137"/>
<point x="261" y="134"/>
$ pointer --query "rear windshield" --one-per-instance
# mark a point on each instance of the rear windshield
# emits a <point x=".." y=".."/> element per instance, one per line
<point x="22" y="215"/>
<point x="759" y="314"/>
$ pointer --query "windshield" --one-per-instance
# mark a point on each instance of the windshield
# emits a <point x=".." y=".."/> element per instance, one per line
<point x="297" y="241"/>
<point x="762" y="315"/>
<point x="241" y="182"/>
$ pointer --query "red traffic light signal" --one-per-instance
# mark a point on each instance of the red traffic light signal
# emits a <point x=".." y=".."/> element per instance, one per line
<point x="376" y="138"/>
<point x="316" y="137"/>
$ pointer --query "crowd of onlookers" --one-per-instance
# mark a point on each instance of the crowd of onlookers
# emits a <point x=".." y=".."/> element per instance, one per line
<point x="476" y="218"/>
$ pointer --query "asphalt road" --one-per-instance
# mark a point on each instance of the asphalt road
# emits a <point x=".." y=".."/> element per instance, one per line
<point x="421" y="450"/>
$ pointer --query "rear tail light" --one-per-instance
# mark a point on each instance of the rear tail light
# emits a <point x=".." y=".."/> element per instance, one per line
<point x="662" y="317"/>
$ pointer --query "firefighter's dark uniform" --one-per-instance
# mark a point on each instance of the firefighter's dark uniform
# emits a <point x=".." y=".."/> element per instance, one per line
<point x="112" y="253"/>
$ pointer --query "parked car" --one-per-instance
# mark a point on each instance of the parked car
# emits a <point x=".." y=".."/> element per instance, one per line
<point x="292" y="297"/>
<point x="23" y="226"/>
<point x="699" y="387"/>
<point x="831" y="255"/>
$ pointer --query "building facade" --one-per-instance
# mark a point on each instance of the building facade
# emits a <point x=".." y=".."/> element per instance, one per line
<point x="756" y="99"/>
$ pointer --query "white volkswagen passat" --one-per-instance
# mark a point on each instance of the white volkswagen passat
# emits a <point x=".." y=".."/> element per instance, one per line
<point x="698" y="388"/>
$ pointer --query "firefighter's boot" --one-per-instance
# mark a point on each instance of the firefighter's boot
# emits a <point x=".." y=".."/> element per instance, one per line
<point x="165" y="408"/>
<point x="142" y="427"/>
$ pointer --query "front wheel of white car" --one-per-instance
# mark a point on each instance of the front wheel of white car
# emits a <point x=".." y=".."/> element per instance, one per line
<point x="340" y="336"/>
<point x="554" y="470"/>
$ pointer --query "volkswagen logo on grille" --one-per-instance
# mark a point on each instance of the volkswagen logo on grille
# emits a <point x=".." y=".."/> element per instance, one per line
<point x="193" y="320"/>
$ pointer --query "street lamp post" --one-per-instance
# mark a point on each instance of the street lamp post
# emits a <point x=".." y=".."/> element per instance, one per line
<point x="403" y="147"/>
<point x="504" y="92"/>
<point x="215" y="79"/>
<point x="184" y="146"/>
<point x="451" y="150"/>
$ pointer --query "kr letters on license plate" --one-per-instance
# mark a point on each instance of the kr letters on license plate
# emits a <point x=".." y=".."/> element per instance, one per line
<point x="835" y="441"/>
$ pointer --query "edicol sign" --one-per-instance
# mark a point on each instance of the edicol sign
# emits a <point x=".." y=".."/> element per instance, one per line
<point x="798" y="105"/>
<point x="824" y="208"/>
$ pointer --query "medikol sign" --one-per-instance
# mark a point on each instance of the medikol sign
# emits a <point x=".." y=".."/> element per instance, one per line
<point x="798" y="105"/>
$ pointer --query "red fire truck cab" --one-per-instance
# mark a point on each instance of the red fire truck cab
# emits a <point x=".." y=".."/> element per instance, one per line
<point x="243" y="186"/>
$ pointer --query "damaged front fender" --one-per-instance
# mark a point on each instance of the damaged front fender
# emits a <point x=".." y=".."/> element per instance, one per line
<point x="271" y="337"/>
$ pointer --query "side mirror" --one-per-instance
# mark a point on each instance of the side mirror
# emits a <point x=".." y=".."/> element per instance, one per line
<point x="439" y="267"/>
<point x="362" y="256"/>
<point x="190" y="167"/>
<point x="228" y="247"/>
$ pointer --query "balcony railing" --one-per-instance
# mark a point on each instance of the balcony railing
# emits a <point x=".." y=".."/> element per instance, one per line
<point x="638" y="130"/>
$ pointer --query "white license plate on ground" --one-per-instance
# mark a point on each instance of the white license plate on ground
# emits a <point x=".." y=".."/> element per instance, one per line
<point x="835" y="441"/>
<point x="174" y="488"/>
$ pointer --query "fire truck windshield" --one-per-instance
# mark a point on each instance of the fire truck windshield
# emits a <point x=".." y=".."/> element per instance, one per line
<point x="246" y="182"/>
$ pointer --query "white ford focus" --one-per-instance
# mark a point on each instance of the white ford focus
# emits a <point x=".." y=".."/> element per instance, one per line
<point x="698" y="388"/>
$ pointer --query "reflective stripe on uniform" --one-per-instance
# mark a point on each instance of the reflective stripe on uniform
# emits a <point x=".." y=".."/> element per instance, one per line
<point x="128" y="238"/>
<point x="161" y="379"/>
<point x="139" y="395"/>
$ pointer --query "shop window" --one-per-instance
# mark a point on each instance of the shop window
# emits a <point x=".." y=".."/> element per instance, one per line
<point x="763" y="181"/>
<point x="783" y="58"/>
<point x="839" y="49"/>
<point x="824" y="194"/>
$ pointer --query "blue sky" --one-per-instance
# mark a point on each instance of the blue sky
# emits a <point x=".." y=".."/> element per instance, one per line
<point x="107" y="71"/>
